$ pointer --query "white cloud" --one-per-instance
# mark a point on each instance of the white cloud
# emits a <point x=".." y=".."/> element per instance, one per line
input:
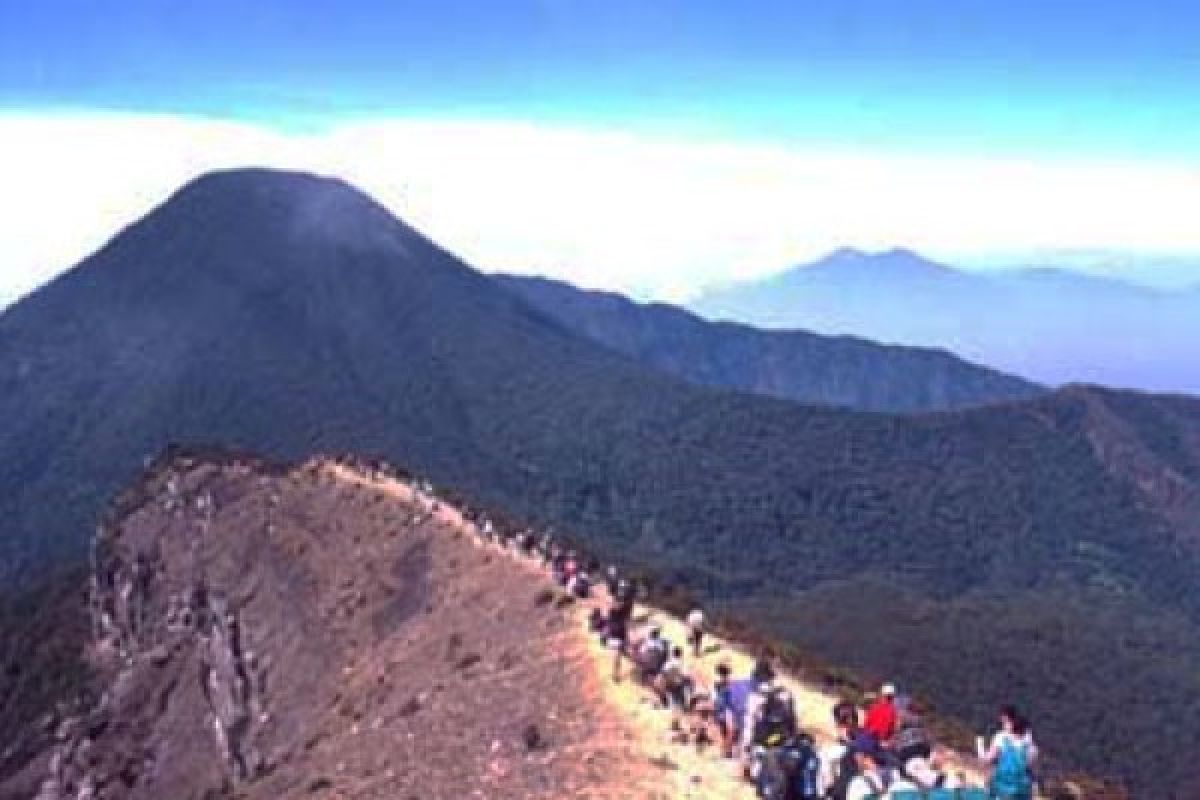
<point x="652" y="216"/>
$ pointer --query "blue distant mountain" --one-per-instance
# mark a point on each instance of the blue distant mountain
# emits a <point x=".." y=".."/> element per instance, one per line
<point x="1050" y="325"/>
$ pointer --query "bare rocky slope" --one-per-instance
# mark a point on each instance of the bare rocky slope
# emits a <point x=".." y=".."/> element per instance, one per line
<point x="267" y="632"/>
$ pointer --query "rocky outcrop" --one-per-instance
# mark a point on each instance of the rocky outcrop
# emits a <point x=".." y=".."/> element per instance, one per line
<point x="166" y="640"/>
<point x="259" y="632"/>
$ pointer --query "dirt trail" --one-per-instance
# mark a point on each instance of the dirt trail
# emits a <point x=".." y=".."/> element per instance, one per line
<point x="668" y="769"/>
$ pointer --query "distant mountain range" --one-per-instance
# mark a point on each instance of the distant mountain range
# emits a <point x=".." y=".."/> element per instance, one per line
<point x="824" y="370"/>
<point x="1044" y="550"/>
<point x="1049" y="325"/>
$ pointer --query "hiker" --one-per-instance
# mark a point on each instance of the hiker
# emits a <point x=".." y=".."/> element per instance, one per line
<point x="872" y="779"/>
<point x="774" y="720"/>
<point x="626" y="593"/>
<point x="570" y="567"/>
<point x="617" y="630"/>
<point x="558" y="565"/>
<point x="695" y="630"/>
<point x="726" y="714"/>
<point x="580" y="585"/>
<point x="788" y="771"/>
<point x="612" y="580"/>
<point x="764" y="713"/>
<point x="675" y="687"/>
<point x="1012" y="754"/>
<point x="651" y="655"/>
<point x="912" y="739"/>
<point x="838" y="765"/>
<point x="882" y="718"/>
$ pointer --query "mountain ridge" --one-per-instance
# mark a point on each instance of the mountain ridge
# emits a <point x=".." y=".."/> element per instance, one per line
<point x="1036" y="322"/>
<point x="795" y="365"/>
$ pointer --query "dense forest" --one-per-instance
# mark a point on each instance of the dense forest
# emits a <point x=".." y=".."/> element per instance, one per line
<point x="961" y="552"/>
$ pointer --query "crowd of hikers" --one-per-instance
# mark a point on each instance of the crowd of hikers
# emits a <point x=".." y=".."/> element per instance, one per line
<point x="882" y="751"/>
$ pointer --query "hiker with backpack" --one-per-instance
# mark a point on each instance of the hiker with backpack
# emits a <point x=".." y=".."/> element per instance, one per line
<point x="787" y="771"/>
<point x="1012" y="755"/>
<point x="770" y="714"/>
<point x="774" y="720"/>
<point x="773" y="743"/>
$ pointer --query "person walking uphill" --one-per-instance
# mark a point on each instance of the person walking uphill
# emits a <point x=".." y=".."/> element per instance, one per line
<point x="1012" y="754"/>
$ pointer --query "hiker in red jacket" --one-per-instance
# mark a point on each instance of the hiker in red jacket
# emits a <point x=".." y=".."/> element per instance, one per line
<point x="882" y="719"/>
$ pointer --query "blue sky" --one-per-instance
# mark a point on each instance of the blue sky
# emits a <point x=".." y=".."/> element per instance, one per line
<point x="1119" y="78"/>
<point x="1097" y="83"/>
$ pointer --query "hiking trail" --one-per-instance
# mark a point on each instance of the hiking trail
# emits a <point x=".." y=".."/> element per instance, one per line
<point x="681" y="770"/>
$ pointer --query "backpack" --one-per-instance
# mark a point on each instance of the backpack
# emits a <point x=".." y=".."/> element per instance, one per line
<point x="652" y="656"/>
<point x="771" y="775"/>
<point x="802" y="766"/>
<point x="844" y="771"/>
<point x="776" y="721"/>
<point x="1011" y="776"/>
<point x="912" y="741"/>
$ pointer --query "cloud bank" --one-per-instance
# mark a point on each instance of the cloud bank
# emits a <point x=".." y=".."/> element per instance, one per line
<point x="654" y="217"/>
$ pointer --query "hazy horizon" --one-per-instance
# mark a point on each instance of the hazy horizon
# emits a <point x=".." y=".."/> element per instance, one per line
<point x="653" y="151"/>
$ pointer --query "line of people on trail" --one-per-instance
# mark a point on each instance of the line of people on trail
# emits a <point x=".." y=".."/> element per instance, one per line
<point x="882" y="752"/>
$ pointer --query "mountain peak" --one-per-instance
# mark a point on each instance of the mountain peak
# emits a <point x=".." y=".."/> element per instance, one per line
<point x="264" y="182"/>
<point x="893" y="258"/>
<point x="314" y="208"/>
